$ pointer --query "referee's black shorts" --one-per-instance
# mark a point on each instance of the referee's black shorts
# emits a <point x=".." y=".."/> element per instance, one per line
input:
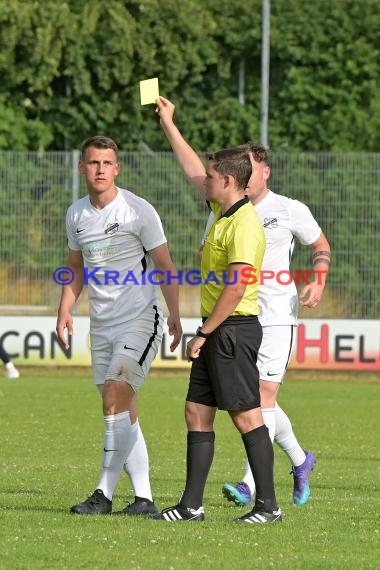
<point x="225" y="375"/>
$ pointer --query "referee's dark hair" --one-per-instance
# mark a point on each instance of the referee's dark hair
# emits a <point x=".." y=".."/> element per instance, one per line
<point x="234" y="162"/>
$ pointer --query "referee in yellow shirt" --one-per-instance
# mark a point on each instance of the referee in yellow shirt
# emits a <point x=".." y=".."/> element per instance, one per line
<point x="224" y="350"/>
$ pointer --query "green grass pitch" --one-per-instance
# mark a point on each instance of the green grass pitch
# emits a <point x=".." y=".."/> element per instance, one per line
<point x="51" y="440"/>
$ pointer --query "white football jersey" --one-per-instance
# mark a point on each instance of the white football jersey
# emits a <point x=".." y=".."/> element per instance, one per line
<point x="114" y="242"/>
<point x="282" y="219"/>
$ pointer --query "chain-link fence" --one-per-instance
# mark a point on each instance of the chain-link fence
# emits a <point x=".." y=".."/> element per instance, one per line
<point x="342" y="191"/>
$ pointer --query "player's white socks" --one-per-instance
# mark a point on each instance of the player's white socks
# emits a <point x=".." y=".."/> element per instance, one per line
<point x="248" y="477"/>
<point x="119" y="439"/>
<point x="269" y="417"/>
<point x="137" y="467"/>
<point x="280" y="431"/>
<point x="286" y="439"/>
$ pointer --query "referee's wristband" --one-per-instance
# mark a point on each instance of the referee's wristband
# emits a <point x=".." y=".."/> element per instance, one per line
<point x="201" y="333"/>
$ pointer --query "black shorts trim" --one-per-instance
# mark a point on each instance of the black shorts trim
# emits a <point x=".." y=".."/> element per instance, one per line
<point x="290" y="347"/>
<point x="152" y="338"/>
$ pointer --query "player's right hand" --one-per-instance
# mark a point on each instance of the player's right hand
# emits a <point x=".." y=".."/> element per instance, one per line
<point x="194" y="347"/>
<point x="64" y="329"/>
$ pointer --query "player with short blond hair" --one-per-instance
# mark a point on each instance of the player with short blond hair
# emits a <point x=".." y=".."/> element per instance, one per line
<point x="111" y="231"/>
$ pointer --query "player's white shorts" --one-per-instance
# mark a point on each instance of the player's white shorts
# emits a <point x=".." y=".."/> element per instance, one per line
<point x="126" y="351"/>
<point x="274" y="352"/>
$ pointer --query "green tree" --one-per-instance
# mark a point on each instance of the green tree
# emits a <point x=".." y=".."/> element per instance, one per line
<point x="72" y="68"/>
<point x="325" y="87"/>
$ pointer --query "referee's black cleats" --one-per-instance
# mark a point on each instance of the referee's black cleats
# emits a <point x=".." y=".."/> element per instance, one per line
<point x="97" y="504"/>
<point x="260" y="517"/>
<point x="140" y="507"/>
<point x="181" y="513"/>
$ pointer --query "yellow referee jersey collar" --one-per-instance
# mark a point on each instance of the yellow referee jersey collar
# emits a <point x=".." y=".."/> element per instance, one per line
<point x="235" y="207"/>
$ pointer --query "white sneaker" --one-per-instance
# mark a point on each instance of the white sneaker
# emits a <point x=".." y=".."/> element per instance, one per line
<point x="12" y="371"/>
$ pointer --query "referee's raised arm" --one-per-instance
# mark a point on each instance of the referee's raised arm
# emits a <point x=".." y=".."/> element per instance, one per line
<point x="186" y="157"/>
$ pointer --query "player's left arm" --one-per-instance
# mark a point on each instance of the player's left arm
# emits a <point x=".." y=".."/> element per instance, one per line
<point x="170" y="290"/>
<point x="311" y="294"/>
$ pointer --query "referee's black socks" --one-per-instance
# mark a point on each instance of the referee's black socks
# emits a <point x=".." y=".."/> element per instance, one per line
<point x="200" y="453"/>
<point x="259" y="449"/>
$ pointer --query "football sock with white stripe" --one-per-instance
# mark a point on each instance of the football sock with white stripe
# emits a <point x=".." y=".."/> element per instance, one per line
<point x="137" y="467"/>
<point x="260" y="455"/>
<point x="119" y="438"/>
<point x="285" y="438"/>
<point x="200" y="453"/>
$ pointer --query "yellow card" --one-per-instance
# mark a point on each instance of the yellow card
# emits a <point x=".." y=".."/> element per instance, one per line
<point x="149" y="91"/>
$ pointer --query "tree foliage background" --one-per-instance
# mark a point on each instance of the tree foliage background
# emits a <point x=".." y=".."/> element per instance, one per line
<point x="72" y="68"/>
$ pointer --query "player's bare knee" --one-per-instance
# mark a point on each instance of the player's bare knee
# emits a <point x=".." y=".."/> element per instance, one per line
<point x="268" y="393"/>
<point x="117" y="397"/>
<point x="247" y="420"/>
<point x="199" y="417"/>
